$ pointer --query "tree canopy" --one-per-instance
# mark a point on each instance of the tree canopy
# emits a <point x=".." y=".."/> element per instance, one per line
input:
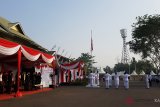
<point x="107" y="69"/>
<point x="140" y="65"/>
<point x="87" y="59"/>
<point x="146" y="38"/>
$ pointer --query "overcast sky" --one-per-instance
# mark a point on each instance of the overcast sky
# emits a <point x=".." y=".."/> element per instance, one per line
<point x="68" y="24"/>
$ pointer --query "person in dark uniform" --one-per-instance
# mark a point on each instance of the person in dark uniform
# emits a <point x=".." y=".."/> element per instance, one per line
<point x="9" y="82"/>
<point x="4" y="80"/>
<point x="27" y="82"/>
<point x="39" y="78"/>
<point x="1" y="83"/>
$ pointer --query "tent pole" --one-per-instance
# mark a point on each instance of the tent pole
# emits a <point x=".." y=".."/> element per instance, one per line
<point x="18" y="93"/>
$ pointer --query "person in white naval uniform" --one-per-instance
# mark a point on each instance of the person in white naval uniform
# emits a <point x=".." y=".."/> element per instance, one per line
<point x="97" y="78"/>
<point x="150" y="79"/>
<point x="126" y="80"/>
<point x="147" y="80"/>
<point x="106" y="77"/>
<point x="116" y="80"/>
<point x="93" y="79"/>
<point x="89" y="79"/>
<point x="110" y="80"/>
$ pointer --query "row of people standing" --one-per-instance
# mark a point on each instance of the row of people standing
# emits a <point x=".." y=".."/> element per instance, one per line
<point x="6" y="82"/>
<point x="93" y="80"/>
<point x="28" y="80"/>
<point x="108" y="80"/>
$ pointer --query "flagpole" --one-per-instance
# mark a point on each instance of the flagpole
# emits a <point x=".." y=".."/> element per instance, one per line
<point x="91" y="49"/>
<point x="91" y="43"/>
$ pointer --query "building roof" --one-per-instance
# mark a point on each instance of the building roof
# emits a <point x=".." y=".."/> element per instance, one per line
<point x="14" y="32"/>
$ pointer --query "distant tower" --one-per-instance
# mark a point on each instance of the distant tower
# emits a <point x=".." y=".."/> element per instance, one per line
<point x="125" y="55"/>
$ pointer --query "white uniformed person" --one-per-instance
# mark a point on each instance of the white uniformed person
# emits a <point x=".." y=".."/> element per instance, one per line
<point x="147" y="80"/>
<point x="116" y="80"/>
<point x="126" y="80"/>
<point x="91" y="79"/>
<point x="150" y="79"/>
<point x="97" y="78"/>
<point x="110" y="80"/>
<point x="106" y="77"/>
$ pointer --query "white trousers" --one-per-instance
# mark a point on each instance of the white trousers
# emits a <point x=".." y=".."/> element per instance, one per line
<point x="107" y="83"/>
<point x="116" y="83"/>
<point x="97" y="81"/>
<point x="91" y="81"/>
<point x="126" y="84"/>
<point x="147" y="84"/>
<point x="110" y="82"/>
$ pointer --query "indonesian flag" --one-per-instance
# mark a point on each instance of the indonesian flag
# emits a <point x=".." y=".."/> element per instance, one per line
<point x="91" y="42"/>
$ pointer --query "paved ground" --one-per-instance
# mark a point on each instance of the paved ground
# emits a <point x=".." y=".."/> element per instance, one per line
<point x="136" y="96"/>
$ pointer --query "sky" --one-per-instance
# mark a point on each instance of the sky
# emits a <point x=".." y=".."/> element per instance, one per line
<point x="68" y="24"/>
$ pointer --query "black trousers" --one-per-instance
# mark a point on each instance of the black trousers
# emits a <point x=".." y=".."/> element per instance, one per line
<point x="1" y="88"/>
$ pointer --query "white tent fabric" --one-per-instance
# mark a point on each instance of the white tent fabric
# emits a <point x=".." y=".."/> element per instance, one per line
<point x="134" y="73"/>
<point x="100" y="71"/>
<point x="142" y="73"/>
<point x="152" y="73"/>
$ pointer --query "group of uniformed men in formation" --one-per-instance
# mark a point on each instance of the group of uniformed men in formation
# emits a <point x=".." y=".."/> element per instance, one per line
<point x="94" y="80"/>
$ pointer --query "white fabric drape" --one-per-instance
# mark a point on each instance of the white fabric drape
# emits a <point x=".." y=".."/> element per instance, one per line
<point x="46" y="59"/>
<point x="9" y="51"/>
<point x="70" y="67"/>
<point x="10" y="48"/>
<point x="29" y="56"/>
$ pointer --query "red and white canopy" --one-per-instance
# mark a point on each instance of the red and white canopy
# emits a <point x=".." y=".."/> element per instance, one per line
<point x="10" y="48"/>
<point x="71" y="66"/>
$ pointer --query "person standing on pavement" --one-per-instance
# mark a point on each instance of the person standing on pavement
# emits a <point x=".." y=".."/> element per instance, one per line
<point x="106" y="77"/>
<point x="116" y="80"/>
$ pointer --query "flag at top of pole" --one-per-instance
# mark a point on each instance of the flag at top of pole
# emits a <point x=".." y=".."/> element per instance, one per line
<point x="91" y="42"/>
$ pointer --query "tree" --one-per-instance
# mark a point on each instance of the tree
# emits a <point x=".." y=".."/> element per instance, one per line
<point x="121" y="67"/>
<point x="144" y="65"/>
<point x="87" y="59"/>
<point x="146" y="38"/>
<point x="107" y="69"/>
<point x="139" y="65"/>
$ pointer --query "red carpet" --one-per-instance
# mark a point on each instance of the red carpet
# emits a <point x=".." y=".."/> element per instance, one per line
<point x="9" y="96"/>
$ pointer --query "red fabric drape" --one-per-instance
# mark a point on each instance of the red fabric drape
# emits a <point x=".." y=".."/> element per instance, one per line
<point x="31" y="51"/>
<point x="9" y="48"/>
<point x="47" y="55"/>
<point x="7" y="43"/>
